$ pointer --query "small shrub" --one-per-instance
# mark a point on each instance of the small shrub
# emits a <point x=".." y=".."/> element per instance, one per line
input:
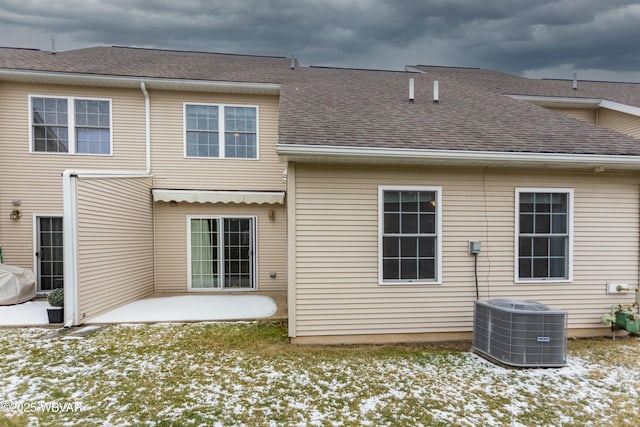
<point x="56" y="298"/>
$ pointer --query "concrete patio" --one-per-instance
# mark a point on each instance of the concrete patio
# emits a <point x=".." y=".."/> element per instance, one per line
<point x="174" y="308"/>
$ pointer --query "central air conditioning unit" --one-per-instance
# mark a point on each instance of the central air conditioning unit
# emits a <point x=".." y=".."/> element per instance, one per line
<point x="520" y="333"/>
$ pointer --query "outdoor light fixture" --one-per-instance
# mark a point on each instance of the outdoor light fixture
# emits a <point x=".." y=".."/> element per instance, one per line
<point x="15" y="213"/>
<point x="272" y="216"/>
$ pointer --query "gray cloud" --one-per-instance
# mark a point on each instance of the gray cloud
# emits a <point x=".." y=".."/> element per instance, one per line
<point x="517" y="36"/>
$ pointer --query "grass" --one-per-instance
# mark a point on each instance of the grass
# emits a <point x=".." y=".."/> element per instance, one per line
<point x="248" y="374"/>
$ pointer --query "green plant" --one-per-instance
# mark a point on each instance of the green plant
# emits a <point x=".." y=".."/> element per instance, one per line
<point x="56" y="298"/>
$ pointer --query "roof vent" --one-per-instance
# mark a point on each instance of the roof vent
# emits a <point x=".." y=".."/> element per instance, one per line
<point x="293" y="62"/>
<point x="53" y="46"/>
<point x="436" y="91"/>
<point x="575" y="81"/>
<point x="411" y="90"/>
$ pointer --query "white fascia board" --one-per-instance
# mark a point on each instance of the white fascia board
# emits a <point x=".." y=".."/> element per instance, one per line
<point x="622" y="108"/>
<point x="579" y="103"/>
<point x="560" y="100"/>
<point x="295" y="150"/>
<point x="151" y="82"/>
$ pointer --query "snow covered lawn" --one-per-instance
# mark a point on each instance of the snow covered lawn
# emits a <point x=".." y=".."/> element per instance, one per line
<point x="247" y="374"/>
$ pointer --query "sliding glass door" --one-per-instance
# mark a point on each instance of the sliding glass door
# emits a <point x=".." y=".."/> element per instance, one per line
<point x="222" y="252"/>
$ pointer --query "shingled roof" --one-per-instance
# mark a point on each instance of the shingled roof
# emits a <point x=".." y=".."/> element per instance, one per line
<point x="154" y="63"/>
<point x="368" y="109"/>
<point x="360" y="108"/>
<point x="502" y="83"/>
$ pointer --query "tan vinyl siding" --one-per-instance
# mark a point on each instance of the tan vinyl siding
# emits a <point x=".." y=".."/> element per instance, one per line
<point x="588" y="115"/>
<point x="621" y="122"/>
<point x="115" y="243"/>
<point x="171" y="243"/>
<point x="173" y="170"/>
<point x="337" y="291"/>
<point x="36" y="178"/>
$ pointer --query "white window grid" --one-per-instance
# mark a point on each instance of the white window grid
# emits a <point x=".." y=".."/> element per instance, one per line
<point x="70" y="125"/>
<point x="569" y="235"/>
<point x="438" y="234"/>
<point x="222" y="131"/>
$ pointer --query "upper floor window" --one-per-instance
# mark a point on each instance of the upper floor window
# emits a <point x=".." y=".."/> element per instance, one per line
<point x="410" y="235"/>
<point x="57" y="121"/>
<point x="221" y="131"/>
<point x="544" y="224"/>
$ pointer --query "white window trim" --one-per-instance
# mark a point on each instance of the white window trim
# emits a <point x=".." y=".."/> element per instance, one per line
<point x="36" y="237"/>
<point x="221" y="130"/>
<point x="254" y="246"/>
<point x="516" y="250"/>
<point x="438" y="264"/>
<point x="71" y="124"/>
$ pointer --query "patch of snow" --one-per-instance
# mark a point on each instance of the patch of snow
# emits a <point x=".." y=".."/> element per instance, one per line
<point x="226" y="386"/>
<point x="191" y="308"/>
<point x="27" y="313"/>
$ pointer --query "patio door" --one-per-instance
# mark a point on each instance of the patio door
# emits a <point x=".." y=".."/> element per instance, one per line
<point x="222" y="253"/>
<point x="49" y="253"/>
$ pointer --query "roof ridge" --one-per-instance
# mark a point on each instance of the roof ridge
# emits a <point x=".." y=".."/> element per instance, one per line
<point x="588" y="81"/>
<point x="447" y="66"/>
<point x="21" y="48"/>
<point x="329" y="67"/>
<point x="187" y="51"/>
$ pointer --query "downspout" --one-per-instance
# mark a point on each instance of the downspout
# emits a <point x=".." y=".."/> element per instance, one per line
<point x="69" y="202"/>
<point x="147" y="123"/>
<point x="147" y="120"/>
<point x="69" y="248"/>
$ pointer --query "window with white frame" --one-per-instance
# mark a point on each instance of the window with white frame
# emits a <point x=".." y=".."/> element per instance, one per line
<point x="544" y="237"/>
<point x="221" y="131"/>
<point x="55" y="121"/>
<point x="410" y="230"/>
<point x="221" y="253"/>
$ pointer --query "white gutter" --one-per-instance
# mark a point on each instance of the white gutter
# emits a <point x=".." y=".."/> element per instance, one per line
<point x="70" y="249"/>
<point x="579" y="102"/>
<point x="550" y="100"/>
<point x="623" y="108"/>
<point x="293" y="150"/>
<point x="132" y="82"/>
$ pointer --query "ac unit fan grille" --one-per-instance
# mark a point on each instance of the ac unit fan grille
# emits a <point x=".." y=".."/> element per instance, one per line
<point x="520" y="336"/>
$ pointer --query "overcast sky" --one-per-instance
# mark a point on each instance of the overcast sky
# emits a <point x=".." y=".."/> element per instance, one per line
<point x="600" y="39"/>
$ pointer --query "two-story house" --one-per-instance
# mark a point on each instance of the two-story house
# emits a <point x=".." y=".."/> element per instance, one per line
<point x="350" y="196"/>
<point x="402" y="171"/>
<point x="134" y="172"/>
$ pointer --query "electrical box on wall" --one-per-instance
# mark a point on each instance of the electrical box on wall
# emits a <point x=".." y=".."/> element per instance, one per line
<point x="474" y="247"/>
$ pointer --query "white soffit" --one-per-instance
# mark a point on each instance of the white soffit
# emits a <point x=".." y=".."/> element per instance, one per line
<point x="399" y="156"/>
<point x="50" y="77"/>
<point x="210" y="196"/>
<point x="566" y="102"/>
